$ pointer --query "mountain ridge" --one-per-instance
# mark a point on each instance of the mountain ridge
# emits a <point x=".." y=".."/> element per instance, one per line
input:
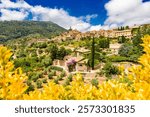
<point x="16" y="29"/>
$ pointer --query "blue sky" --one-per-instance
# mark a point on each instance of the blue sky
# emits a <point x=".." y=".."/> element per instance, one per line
<point x="77" y="7"/>
<point x="83" y="15"/>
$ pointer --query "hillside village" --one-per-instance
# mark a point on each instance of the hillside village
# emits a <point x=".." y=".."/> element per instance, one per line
<point x="59" y="58"/>
<point x="77" y="60"/>
<point x="114" y="33"/>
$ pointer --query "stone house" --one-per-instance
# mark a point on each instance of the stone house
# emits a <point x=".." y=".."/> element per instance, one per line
<point x="80" y="63"/>
<point x="115" y="48"/>
<point x="126" y="33"/>
<point x="81" y="51"/>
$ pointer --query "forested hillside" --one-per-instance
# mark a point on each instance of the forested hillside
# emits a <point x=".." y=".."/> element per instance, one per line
<point x="17" y="29"/>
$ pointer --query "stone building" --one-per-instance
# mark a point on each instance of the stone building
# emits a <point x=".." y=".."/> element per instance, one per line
<point x="80" y="63"/>
<point x="126" y="33"/>
<point x="81" y="51"/>
<point x="115" y="48"/>
<point x="117" y="33"/>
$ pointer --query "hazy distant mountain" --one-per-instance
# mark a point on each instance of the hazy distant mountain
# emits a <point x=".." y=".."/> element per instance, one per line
<point x="17" y="29"/>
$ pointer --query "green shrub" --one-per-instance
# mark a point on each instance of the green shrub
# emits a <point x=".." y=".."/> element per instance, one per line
<point x="22" y="62"/>
<point x="59" y="77"/>
<point x="39" y="84"/>
<point x="33" y="54"/>
<point x="118" y="58"/>
<point x="49" y="69"/>
<point x="45" y="72"/>
<point x="35" y="77"/>
<point x="30" y="75"/>
<point x="50" y="75"/>
<point x="40" y="51"/>
<point x="126" y="50"/>
<point x="56" y="81"/>
<point x="56" y="68"/>
<point x="29" y="82"/>
<point x="42" y="45"/>
<point x="40" y="75"/>
<point x="30" y="88"/>
<point x="95" y="82"/>
<point x="39" y="65"/>
<point x="45" y="80"/>
<point x="47" y="61"/>
<point x="109" y="69"/>
<point x="134" y="58"/>
<point x="126" y="80"/>
<point x="63" y="74"/>
<point x="104" y="43"/>
<point x="67" y="82"/>
<point x="70" y="78"/>
<point x="122" y="39"/>
<point x="61" y="53"/>
<point x="54" y="73"/>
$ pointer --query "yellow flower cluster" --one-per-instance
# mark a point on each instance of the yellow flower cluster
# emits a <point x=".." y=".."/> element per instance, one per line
<point x="12" y="84"/>
<point x="135" y="85"/>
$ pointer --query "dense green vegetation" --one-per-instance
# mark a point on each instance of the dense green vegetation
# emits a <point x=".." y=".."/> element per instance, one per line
<point x="35" y="58"/>
<point x="17" y="29"/>
<point x="110" y="69"/>
<point x="38" y="55"/>
<point x="133" y="50"/>
<point x="122" y="39"/>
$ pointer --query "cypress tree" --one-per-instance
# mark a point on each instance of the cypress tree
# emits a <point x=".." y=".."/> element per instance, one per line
<point x="93" y="52"/>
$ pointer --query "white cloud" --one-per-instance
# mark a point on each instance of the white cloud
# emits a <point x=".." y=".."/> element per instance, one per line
<point x="58" y="16"/>
<point x="62" y="18"/>
<point x="10" y="4"/>
<point x="88" y="18"/>
<point x="127" y="12"/>
<point x="97" y="27"/>
<point x="12" y="15"/>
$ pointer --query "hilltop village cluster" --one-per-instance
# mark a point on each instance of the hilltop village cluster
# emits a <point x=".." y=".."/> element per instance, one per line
<point x="75" y="34"/>
<point x="80" y="64"/>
